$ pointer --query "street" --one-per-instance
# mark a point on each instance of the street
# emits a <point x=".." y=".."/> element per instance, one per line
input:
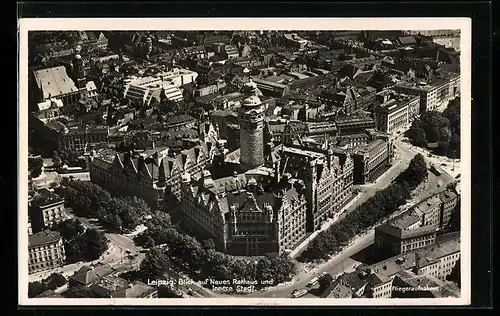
<point x="344" y="262"/>
<point x="116" y="255"/>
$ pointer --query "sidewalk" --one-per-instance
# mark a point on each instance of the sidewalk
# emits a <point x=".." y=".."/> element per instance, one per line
<point x="324" y="227"/>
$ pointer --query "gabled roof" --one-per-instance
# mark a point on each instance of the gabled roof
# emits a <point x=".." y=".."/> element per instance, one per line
<point x="54" y="82"/>
<point x="407" y="40"/>
<point x="87" y="275"/>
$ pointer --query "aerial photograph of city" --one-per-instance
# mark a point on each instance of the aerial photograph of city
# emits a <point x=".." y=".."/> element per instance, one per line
<point x="244" y="164"/>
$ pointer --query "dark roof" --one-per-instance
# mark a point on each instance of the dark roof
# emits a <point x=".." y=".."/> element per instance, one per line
<point x="407" y="40"/>
<point x="44" y="237"/>
<point x="337" y="290"/>
<point x="178" y="119"/>
<point x="87" y="275"/>
<point x="44" y="198"/>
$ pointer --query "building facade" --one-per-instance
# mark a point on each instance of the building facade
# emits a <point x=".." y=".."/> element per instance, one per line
<point x="46" y="251"/>
<point x="150" y="174"/>
<point x="243" y="217"/>
<point x="327" y="175"/>
<point x="433" y="95"/>
<point x="449" y="201"/>
<point x="46" y="209"/>
<point x="393" y="240"/>
<point x="373" y="159"/>
<point x="395" y="114"/>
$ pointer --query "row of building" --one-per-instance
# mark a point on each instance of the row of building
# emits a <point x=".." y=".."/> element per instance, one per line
<point x="417" y="227"/>
<point x="421" y="273"/>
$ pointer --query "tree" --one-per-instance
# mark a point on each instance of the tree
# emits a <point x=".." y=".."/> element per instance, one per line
<point x="443" y="148"/>
<point x="95" y="244"/>
<point x="69" y="228"/>
<point x="56" y="160"/>
<point x="54" y="281"/>
<point x="417" y="136"/>
<point x="325" y="281"/>
<point x="36" y="288"/>
<point x="452" y="113"/>
<point x="416" y="171"/>
<point x="264" y="270"/>
<point x="208" y="244"/>
<point x="167" y="292"/>
<point x="283" y="268"/>
<point x="455" y="273"/>
<point x="35" y="166"/>
<point x="454" y="146"/>
<point x="155" y="264"/>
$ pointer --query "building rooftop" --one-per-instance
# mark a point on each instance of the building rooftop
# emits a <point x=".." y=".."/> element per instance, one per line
<point x="405" y="220"/>
<point x="353" y="119"/>
<point x="54" y="82"/>
<point x="396" y="264"/>
<point x="90" y="274"/>
<point x="337" y="290"/>
<point x="302" y="152"/>
<point x="137" y="290"/>
<point x="44" y="197"/>
<point x="43" y="237"/>
<point x="448" y="195"/>
<point x="438" y="288"/>
<point x="428" y="205"/>
<point x="179" y="119"/>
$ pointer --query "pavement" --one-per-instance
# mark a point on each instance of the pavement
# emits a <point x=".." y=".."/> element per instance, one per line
<point x="343" y="261"/>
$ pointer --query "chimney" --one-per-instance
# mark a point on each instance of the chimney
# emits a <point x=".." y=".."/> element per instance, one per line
<point x="417" y="262"/>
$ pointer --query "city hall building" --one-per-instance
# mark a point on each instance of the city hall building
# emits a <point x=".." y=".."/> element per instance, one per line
<point x="243" y="217"/>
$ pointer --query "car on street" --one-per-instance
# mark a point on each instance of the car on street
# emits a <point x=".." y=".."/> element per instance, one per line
<point x="313" y="282"/>
<point x="299" y="293"/>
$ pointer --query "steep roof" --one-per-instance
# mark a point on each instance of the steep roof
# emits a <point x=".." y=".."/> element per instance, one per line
<point x="54" y="82"/>
<point x="87" y="275"/>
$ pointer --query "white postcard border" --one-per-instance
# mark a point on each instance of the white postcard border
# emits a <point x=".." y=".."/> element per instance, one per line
<point x="382" y="23"/>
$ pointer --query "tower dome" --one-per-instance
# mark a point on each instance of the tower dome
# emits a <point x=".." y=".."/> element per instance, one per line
<point x="252" y="182"/>
<point x="250" y="88"/>
<point x="251" y="101"/>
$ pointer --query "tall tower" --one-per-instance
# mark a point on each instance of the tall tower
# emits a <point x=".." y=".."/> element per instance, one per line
<point x="310" y="191"/>
<point x="251" y="120"/>
<point x="79" y="71"/>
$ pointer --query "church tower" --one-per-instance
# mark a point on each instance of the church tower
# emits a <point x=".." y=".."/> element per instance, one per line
<point x="251" y="120"/>
<point x="79" y="71"/>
